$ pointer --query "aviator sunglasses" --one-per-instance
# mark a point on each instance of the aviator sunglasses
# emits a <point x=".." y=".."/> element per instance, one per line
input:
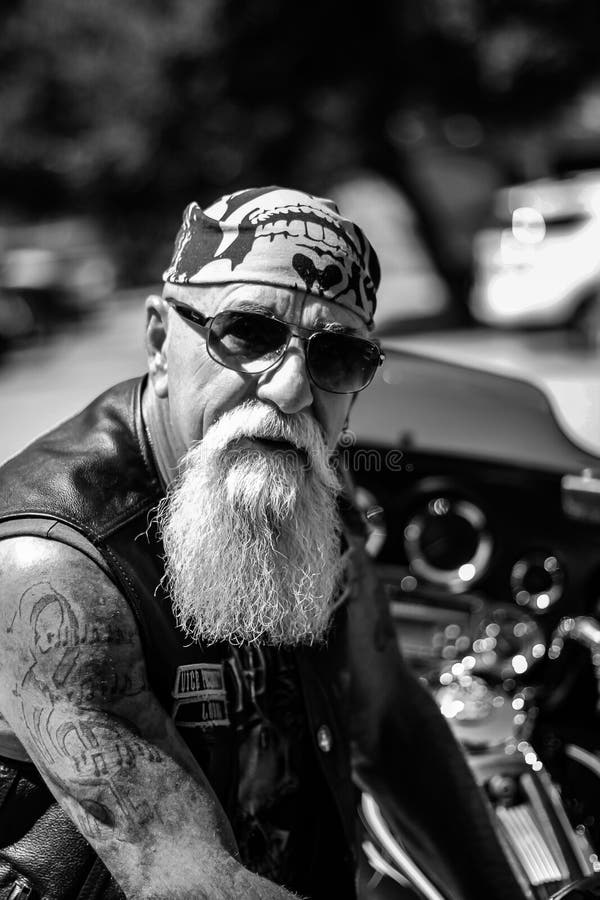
<point x="254" y="342"/>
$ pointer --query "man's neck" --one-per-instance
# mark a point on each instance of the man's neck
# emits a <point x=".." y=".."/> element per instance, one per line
<point x="155" y="414"/>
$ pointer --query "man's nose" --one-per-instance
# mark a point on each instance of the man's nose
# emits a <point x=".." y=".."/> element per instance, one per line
<point x="287" y="384"/>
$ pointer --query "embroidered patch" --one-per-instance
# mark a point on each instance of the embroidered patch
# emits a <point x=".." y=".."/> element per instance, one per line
<point x="200" y="696"/>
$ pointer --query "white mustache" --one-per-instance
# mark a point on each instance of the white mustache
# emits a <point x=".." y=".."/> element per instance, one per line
<point x="255" y="420"/>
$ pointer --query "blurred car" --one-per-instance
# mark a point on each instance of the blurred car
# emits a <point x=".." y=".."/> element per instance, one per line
<point x="538" y="264"/>
<point x="50" y="272"/>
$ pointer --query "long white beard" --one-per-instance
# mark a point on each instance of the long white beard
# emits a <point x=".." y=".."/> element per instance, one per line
<point x="252" y="535"/>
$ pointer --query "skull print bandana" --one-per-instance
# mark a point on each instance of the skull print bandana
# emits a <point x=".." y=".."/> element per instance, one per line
<point x="281" y="237"/>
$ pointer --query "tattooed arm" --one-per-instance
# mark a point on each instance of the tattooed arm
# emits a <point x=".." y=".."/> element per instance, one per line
<point x="73" y="687"/>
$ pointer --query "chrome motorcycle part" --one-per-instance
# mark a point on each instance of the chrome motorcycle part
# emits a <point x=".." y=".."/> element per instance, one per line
<point x="584" y="630"/>
<point x="380" y="865"/>
<point x="374" y="517"/>
<point x="583" y="889"/>
<point x="432" y="630"/>
<point x="447" y="543"/>
<point x="537" y="581"/>
<point x="529" y="817"/>
<point x="540" y="840"/>
<point x="406" y="869"/>
<point x="506" y="643"/>
<point x="479" y="716"/>
<point x="580" y="496"/>
<point x="584" y="757"/>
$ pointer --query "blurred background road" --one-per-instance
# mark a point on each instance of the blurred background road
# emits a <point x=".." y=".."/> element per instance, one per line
<point x="43" y="384"/>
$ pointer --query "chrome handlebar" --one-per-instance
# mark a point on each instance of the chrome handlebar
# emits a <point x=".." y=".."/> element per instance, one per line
<point x="584" y="630"/>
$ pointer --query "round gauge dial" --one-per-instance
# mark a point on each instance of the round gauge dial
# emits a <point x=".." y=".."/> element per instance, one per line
<point x="537" y="581"/>
<point x="447" y="543"/>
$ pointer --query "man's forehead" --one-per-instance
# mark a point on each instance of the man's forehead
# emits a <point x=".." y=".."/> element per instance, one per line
<point x="287" y="303"/>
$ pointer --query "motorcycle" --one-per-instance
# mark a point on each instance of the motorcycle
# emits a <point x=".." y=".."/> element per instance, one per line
<point x="486" y="537"/>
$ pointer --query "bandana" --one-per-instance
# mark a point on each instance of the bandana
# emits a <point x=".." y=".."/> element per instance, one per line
<point x="280" y="237"/>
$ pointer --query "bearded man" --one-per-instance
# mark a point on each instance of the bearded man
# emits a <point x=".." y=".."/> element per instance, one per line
<point x="197" y="673"/>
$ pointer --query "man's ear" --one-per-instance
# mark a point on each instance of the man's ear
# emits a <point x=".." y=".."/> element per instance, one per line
<point x="157" y="313"/>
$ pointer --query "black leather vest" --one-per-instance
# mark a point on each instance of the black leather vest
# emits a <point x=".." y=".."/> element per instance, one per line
<point x="92" y="482"/>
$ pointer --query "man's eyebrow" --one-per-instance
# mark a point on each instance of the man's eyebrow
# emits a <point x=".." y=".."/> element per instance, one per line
<point x="319" y="323"/>
<point x="252" y="306"/>
<point x="338" y="327"/>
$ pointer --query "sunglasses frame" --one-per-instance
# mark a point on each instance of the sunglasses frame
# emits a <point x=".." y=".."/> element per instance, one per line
<point x="194" y="317"/>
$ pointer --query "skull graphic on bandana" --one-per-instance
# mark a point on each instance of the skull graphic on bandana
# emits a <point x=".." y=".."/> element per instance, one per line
<point x="281" y="237"/>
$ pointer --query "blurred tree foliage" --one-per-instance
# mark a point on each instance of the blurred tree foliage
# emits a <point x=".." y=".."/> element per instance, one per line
<point x="129" y="109"/>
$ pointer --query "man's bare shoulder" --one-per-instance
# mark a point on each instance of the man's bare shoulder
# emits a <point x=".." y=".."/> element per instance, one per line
<point x="66" y="631"/>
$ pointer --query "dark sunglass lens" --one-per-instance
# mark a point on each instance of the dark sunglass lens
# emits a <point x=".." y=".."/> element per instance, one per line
<point x="247" y="342"/>
<point x="341" y="363"/>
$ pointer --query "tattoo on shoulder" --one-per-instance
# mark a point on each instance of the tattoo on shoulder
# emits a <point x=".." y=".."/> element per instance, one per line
<point x="65" y="690"/>
<point x="57" y="642"/>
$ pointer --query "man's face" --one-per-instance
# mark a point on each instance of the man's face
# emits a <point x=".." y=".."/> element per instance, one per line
<point x="200" y="390"/>
<point x="250" y="526"/>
